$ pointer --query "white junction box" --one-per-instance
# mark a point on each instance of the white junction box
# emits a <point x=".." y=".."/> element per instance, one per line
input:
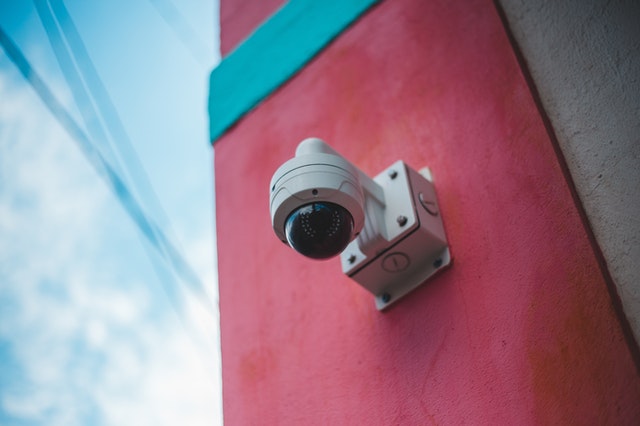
<point x="411" y="245"/>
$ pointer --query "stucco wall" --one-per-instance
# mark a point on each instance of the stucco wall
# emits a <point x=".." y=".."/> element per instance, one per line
<point x="521" y="328"/>
<point x="584" y="57"/>
<point x="238" y="18"/>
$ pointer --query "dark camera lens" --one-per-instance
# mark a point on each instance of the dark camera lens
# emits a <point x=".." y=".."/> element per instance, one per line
<point x="319" y="230"/>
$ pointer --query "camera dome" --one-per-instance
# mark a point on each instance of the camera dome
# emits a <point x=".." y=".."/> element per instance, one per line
<point x="319" y="230"/>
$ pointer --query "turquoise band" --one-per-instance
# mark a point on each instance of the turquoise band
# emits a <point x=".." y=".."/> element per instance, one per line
<point x="280" y="47"/>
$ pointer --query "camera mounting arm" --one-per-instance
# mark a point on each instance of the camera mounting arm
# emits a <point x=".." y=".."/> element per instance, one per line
<point x="318" y="146"/>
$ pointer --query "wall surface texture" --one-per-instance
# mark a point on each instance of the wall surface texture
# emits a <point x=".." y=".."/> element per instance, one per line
<point x="238" y="18"/>
<point x="584" y="57"/>
<point x="520" y="330"/>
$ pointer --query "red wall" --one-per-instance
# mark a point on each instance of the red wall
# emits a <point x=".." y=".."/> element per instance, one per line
<point x="520" y="329"/>
<point x="238" y="18"/>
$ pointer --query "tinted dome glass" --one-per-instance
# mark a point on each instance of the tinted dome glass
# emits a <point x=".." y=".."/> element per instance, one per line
<point x="319" y="230"/>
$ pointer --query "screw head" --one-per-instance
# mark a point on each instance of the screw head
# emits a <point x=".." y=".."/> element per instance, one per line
<point x="393" y="174"/>
<point x="386" y="297"/>
<point x="402" y="220"/>
<point x="437" y="263"/>
<point x="352" y="258"/>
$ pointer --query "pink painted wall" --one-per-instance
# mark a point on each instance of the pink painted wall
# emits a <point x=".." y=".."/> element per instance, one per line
<point x="238" y="18"/>
<point x="520" y="330"/>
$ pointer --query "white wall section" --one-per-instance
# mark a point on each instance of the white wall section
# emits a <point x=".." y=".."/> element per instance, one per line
<point x="584" y="58"/>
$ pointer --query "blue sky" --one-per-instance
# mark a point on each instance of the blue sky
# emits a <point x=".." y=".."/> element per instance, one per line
<point x="95" y="327"/>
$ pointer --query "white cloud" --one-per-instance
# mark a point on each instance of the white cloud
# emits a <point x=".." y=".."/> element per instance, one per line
<point x="86" y="333"/>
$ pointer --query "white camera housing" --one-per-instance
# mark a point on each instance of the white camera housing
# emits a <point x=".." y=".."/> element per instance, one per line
<point x="391" y="225"/>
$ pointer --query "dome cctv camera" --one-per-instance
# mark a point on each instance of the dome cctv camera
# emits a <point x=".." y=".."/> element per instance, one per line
<point x="388" y="230"/>
<point x="317" y="201"/>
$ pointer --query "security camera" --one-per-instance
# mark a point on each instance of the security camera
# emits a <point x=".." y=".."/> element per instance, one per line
<point x="317" y="201"/>
<point x="388" y="230"/>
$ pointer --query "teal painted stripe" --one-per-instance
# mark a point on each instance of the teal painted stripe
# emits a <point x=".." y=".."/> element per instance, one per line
<point x="274" y="53"/>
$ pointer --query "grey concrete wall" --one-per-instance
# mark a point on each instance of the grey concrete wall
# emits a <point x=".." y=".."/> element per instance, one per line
<point x="584" y="58"/>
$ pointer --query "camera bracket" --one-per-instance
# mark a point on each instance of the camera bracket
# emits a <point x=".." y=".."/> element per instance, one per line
<point x="403" y="242"/>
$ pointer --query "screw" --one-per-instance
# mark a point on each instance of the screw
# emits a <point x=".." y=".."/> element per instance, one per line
<point x="393" y="174"/>
<point x="352" y="258"/>
<point x="437" y="263"/>
<point x="386" y="297"/>
<point x="402" y="220"/>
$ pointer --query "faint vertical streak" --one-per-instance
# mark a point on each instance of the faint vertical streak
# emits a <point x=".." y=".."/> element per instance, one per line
<point x="185" y="33"/>
<point x="78" y="86"/>
<point x="83" y="78"/>
<point x="107" y="111"/>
